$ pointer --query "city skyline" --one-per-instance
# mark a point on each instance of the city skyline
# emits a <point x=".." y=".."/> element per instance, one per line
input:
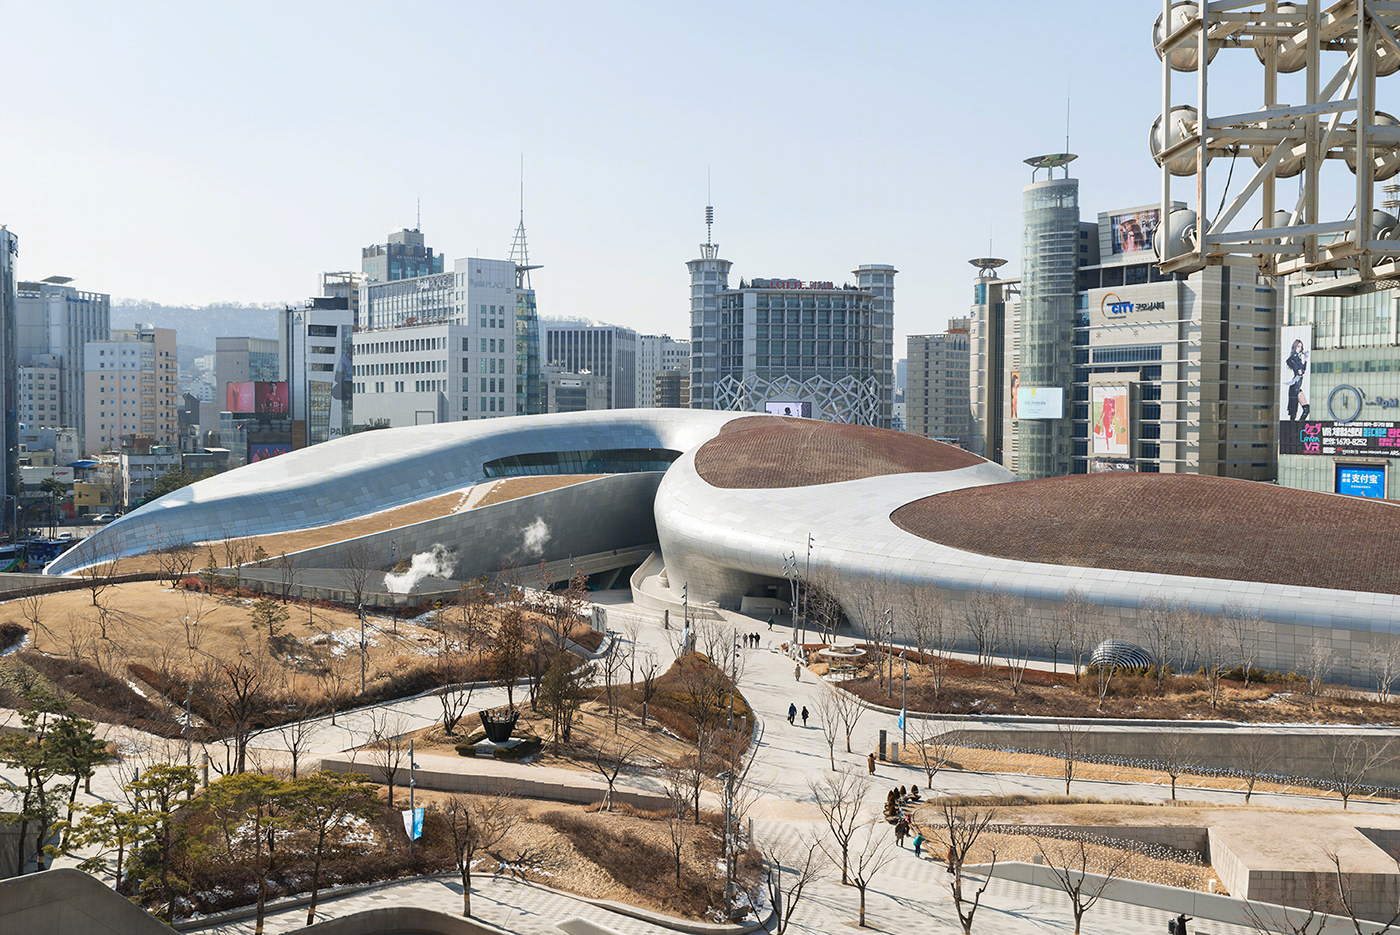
<point x="234" y="158"/>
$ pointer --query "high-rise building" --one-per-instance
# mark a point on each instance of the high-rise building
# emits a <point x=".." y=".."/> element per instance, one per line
<point x="936" y="387"/>
<point x="608" y="352"/>
<point x="131" y="388"/>
<point x="9" y="371"/>
<point x="788" y="345"/>
<point x="569" y="391"/>
<point x="462" y="345"/>
<point x="55" y="322"/>
<point x="405" y="256"/>
<point x="671" y="389"/>
<point x="655" y="353"/>
<point x="1049" y="260"/>
<point x="992" y="336"/>
<point x="1168" y="373"/>
<point x="315" y="352"/>
<point x="344" y="284"/>
<point x="39" y="391"/>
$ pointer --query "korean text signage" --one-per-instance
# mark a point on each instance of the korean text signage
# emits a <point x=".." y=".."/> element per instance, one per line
<point x="1113" y="307"/>
<point x="1040" y="402"/>
<point x="790" y="284"/>
<point x="1348" y="439"/>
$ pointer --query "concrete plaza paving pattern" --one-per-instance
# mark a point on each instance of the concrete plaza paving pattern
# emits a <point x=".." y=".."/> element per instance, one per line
<point x="908" y="895"/>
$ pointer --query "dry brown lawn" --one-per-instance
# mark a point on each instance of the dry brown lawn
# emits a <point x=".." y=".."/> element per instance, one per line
<point x="1147" y="863"/>
<point x="297" y="540"/>
<point x="968" y="690"/>
<point x="145" y="622"/>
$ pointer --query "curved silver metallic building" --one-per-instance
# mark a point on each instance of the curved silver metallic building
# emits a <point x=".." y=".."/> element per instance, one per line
<point x="882" y="520"/>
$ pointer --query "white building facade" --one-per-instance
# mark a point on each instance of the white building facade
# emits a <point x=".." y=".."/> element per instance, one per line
<point x="131" y="388"/>
<point x="657" y="353"/>
<point x="40" y="387"/>
<point x="449" y="347"/>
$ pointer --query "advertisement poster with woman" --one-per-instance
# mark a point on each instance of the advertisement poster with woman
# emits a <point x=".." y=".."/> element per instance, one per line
<point x="1108" y="407"/>
<point x="1295" y="372"/>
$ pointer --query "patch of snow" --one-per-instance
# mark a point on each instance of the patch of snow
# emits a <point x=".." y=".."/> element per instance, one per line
<point x="134" y="687"/>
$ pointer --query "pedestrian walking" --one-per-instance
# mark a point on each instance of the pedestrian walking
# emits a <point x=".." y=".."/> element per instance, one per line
<point x="952" y="859"/>
<point x="797" y="671"/>
<point x="804" y="715"/>
<point x="870" y="760"/>
<point x="1178" y="925"/>
<point x="918" y="844"/>
<point x="792" y="714"/>
<point x="901" y="831"/>
<point x="770" y="623"/>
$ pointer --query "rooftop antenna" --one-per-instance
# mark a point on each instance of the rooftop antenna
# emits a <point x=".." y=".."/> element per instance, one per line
<point x="708" y="249"/>
<point x="519" y="249"/>
<point x="418" y="222"/>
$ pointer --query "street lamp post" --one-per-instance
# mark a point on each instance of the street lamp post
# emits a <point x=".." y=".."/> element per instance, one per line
<point x="904" y="701"/>
<point x="362" y="650"/>
<point x="889" y="652"/>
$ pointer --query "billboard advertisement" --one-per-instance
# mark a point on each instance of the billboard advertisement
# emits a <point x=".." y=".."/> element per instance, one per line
<point x="1361" y="480"/>
<point x="1105" y="466"/>
<point x="1343" y="439"/>
<point x="270" y="398"/>
<point x="1108" y="408"/>
<point x="788" y="408"/>
<point x="1039" y="402"/>
<point x="1015" y="392"/>
<point x="263" y="452"/>
<point x="1133" y="231"/>
<point x="239" y="397"/>
<point x="1295" y="377"/>
<point x="342" y="387"/>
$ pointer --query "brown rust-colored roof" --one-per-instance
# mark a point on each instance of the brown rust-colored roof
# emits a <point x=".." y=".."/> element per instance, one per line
<point x="764" y="452"/>
<point x="1172" y="524"/>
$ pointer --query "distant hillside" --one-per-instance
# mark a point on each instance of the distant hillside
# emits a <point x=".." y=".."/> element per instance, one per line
<point x="198" y="327"/>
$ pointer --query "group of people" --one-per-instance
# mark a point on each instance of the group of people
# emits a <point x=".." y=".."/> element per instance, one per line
<point x="792" y="714"/>
<point x="751" y="640"/>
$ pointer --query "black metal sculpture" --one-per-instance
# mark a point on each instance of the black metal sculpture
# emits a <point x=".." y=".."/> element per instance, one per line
<point x="498" y="729"/>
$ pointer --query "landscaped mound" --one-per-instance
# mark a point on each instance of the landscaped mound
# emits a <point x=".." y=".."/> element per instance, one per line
<point x="766" y="452"/>
<point x="1172" y="524"/>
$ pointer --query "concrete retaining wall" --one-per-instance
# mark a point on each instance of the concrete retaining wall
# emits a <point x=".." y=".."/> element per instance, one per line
<point x="584" y="791"/>
<point x="1209" y="748"/>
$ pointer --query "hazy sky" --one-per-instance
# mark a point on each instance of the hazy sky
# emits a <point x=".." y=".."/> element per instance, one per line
<point x="197" y="152"/>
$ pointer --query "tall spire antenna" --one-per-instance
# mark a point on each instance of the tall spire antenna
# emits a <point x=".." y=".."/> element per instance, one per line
<point x="418" y="223"/>
<point x="1067" y="99"/>
<point x="519" y="249"/>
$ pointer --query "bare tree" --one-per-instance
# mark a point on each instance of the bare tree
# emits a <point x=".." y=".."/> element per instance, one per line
<point x="355" y="573"/>
<point x="286" y="566"/>
<point x="455" y="699"/>
<point x="840" y="798"/>
<point x="387" y="747"/>
<point x="1318" y="659"/>
<point x="677" y="811"/>
<point x="196" y="609"/>
<point x="1068" y="862"/>
<point x="649" y="674"/>
<point x="1173" y="755"/>
<point x="1346" y="883"/>
<point x="175" y="560"/>
<point x="99" y="558"/>
<point x="1070" y="739"/>
<point x="297" y="737"/>
<point x="1104" y="670"/>
<point x="829" y="720"/>
<point x="1159" y="623"/>
<point x="1383" y="658"/>
<point x="1253" y="754"/>
<point x="942" y="635"/>
<point x="1208" y="636"/>
<point x="475" y="824"/>
<point x="1316" y="902"/>
<point x="933" y="749"/>
<point x="608" y="759"/>
<point x="1353" y="758"/>
<point x="1072" y="619"/>
<point x="1241" y="623"/>
<point x="614" y="664"/>
<point x="982" y="615"/>
<point x="869" y="854"/>
<point x="958" y="832"/>
<point x="1017" y="640"/>
<point x="31" y="605"/>
<point x="1191" y="625"/>
<point x="849" y="709"/>
<point x="789" y="870"/>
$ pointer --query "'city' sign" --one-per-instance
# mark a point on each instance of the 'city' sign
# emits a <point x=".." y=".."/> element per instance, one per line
<point x="1114" y="307"/>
